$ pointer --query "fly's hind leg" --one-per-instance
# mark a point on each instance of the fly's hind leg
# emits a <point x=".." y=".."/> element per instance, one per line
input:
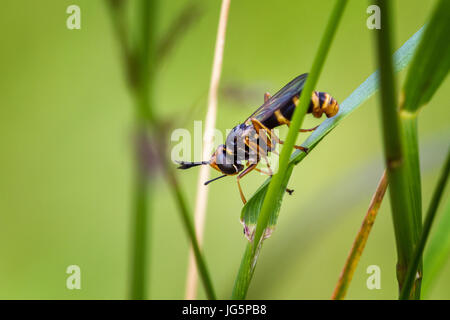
<point x="259" y="126"/>
<point x="304" y="149"/>
<point x="308" y="130"/>
<point x="296" y="101"/>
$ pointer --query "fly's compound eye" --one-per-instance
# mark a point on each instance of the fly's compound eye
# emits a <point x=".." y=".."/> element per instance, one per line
<point x="226" y="164"/>
<point x="230" y="168"/>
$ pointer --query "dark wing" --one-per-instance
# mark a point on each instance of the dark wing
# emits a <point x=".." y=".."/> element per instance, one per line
<point x="280" y="98"/>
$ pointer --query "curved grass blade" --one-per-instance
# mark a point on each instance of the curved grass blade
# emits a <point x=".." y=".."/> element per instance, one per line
<point x="402" y="57"/>
<point x="270" y="203"/>
<point x="431" y="63"/>
<point x="251" y="210"/>
<point x="402" y="165"/>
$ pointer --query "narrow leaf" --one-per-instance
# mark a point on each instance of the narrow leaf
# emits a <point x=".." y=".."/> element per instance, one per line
<point x="271" y="201"/>
<point x="402" y="57"/>
<point x="431" y="63"/>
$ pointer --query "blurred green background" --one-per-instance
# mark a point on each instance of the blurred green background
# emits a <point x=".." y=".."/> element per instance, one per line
<point x="66" y="163"/>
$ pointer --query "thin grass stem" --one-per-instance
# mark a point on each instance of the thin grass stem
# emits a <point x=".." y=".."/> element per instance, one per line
<point x="276" y="185"/>
<point x="210" y="123"/>
<point x="400" y="167"/>
<point x="360" y="241"/>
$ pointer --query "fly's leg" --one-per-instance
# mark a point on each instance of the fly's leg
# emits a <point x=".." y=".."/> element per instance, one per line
<point x="308" y="130"/>
<point x="296" y="100"/>
<point x="264" y="172"/>
<point x="267" y="96"/>
<point x="305" y="150"/>
<point x="259" y="126"/>
<point x="240" y="176"/>
<point x="259" y="151"/>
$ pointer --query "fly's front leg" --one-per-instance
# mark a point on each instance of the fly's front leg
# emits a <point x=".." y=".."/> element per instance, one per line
<point x="296" y="100"/>
<point x="240" y="176"/>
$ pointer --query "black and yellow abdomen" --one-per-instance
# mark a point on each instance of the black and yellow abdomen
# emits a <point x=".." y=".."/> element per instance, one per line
<point x="321" y="102"/>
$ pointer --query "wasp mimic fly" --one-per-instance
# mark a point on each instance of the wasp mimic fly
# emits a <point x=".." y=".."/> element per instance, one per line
<point x="253" y="139"/>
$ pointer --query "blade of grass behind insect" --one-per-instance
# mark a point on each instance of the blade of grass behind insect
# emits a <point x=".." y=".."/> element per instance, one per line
<point x="360" y="241"/>
<point x="402" y="57"/>
<point x="276" y="187"/>
<point x="250" y="211"/>
<point x="431" y="213"/>
<point x="437" y="252"/>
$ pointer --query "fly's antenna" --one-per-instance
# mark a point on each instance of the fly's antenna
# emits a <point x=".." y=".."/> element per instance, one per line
<point x="186" y="165"/>
<point x="209" y="181"/>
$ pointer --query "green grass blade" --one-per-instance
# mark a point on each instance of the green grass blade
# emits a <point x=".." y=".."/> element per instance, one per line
<point x="144" y="117"/>
<point x="437" y="252"/>
<point x="250" y="211"/>
<point x="276" y="188"/>
<point x="428" y="70"/>
<point x="417" y="258"/>
<point x="402" y="58"/>
<point x="431" y="63"/>
<point x="272" y="199"/>
<point x="405" y="223"/>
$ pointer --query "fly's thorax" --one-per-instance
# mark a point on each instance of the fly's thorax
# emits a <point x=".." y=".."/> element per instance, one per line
<point x="235" y="142"/>
<point x="244" y="143"/>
